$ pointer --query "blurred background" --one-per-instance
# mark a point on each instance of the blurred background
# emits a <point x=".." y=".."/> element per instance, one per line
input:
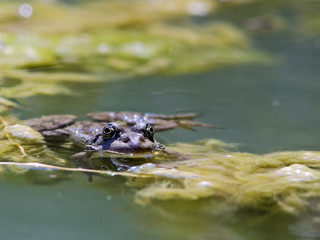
<point x="247" y="65"/>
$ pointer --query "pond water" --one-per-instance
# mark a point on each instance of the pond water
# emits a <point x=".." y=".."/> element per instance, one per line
<point x="263" y="107"/>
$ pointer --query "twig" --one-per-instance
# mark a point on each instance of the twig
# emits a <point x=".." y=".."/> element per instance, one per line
<point x="47" y="167"/>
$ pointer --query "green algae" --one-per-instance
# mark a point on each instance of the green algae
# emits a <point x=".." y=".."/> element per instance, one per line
<point x="83" y="47"/>
<point x="6" y="105"/>
<point x="21" y="143"/>
<point x="214" y="172"/>
<point x="280" y="181"/>
<point x="80" y="43"/>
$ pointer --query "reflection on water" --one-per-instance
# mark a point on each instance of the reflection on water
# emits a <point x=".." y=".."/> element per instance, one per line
<point x="80" y="210"/>
<point x="307" y="227"/>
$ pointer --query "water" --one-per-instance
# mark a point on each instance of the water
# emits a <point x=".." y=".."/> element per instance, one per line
<point x="263" y="108"/>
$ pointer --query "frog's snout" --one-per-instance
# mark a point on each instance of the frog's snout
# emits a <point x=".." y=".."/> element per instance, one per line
<point x="126" y="139"/>
<point x="132" y="139"/>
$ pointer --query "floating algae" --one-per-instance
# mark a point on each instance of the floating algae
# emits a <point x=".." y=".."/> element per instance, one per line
<point x="284" y="181"/>
<point x="6" y="104"/>
<point x="21" y="143"/>
<point x="281" y="181"/>
<point x="268" y="182"/>
<point x="84" y="44"/>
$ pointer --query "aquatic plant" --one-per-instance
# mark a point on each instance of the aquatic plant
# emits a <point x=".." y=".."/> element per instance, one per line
<point x="57" y="43"/>
<point x="282" y="181"/>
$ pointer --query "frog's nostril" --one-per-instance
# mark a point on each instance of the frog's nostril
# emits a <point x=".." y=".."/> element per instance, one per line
<point x="126" y="139"/>
<point x="142" y="139"/>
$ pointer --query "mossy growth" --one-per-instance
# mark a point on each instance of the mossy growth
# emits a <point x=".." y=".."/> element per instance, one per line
<point x="109" y="40"/>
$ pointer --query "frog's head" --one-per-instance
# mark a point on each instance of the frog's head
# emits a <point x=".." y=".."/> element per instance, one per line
<point x="136" y="139"/>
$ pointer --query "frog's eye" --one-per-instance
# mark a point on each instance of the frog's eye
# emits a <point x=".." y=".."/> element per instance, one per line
<point x="149" y="131"/>
<point x="108" y="132"/>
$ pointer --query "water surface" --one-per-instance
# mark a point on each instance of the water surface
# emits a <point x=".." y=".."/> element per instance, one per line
<point x="264" y="108"/>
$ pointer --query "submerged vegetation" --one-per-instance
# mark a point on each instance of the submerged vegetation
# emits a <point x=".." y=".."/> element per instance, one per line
<point x="63" y="43"/>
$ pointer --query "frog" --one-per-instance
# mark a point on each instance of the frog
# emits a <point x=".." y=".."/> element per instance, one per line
<point x="64" y="125"/>
<point x="118" y="136"/>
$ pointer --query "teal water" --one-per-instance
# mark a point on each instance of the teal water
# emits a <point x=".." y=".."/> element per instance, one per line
<point x="263" y="109"/>
<point x="77" y="210"/>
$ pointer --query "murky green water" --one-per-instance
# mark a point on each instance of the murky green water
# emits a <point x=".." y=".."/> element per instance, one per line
<point x="263" y="107"/>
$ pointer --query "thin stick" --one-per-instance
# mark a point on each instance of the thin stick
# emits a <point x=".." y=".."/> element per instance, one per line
<point x="47" y="167"/>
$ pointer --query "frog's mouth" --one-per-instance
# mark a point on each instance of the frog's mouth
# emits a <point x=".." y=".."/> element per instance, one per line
<point x="125" y="151"/>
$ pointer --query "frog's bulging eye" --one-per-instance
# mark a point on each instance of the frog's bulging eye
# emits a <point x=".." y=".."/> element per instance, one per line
<point x="149" y="131"/>
<point x="108" y="132"/>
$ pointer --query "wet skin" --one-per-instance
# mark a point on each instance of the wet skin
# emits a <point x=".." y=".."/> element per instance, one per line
<point x="115" y="138"/>
<point x="122" y="142"/>
<point x="131" y="129"/>
<point x="122" y="133"/>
